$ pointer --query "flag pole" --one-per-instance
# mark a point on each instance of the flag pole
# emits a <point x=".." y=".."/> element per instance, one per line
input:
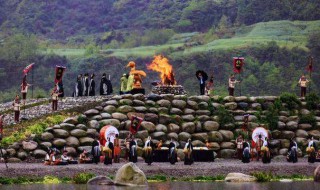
<point x="32" y="84"/>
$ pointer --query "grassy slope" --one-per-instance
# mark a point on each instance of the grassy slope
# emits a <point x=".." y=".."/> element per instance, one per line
<point x="286" y="33"/>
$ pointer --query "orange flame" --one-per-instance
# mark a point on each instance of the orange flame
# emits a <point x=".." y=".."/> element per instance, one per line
<point x="161" y="64"/>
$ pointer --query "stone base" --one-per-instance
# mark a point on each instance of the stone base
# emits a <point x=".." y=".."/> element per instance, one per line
<point x="138" y="91"/>
<point x="168" y="89"/>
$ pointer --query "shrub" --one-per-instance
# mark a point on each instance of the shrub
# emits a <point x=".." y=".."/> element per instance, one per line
<point x="309" y="118"/>
<point x="263" y="176"/>
<point x="272" y="116"/>
<point x="157" y="178"/>
<point x="224" y="116"/>
<point x="51" y="180"/>
<point x="82" y="119"/>
<point x="83" y="178"/>
<point x="291" y="100"/>
<point x="312" y="100"/>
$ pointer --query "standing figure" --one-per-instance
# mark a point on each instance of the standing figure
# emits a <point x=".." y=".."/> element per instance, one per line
<point x="80" y="85"/>
<point x="108" y="150"/>
<point x="292" y="152"/>
<point x="232" y="83"/>
<point x="16" y="108"/>
<point x="303" y="82"/>
<point x="133" y="157"/>
<point x="134" y="83"/>
<point x="92" y="86"/>
<point x="95" y="150"/>
<point x="172" y="152"/>
<point x="123" y="84"/>
<point x="86" y="85"/>
<point x="127" y="143"/>
<point x="24" y="89"/>
<point x="246" y="152"/>
<point x="61" y="89"/>
<point x="188" y="149"/>
<point x="55" y="96"/>
<point x="105" y="85"/>
<point x="311" y="150"/>
<point x="259" y="145"/>
<point x="1" y="128"/>
<point x="266" y="157"/>
<point x="209" y="87"/>
<point x="117" y="149"/>
<point x="148" y="150"/>
<point x="202" y="77"/>
<point x="240" y="147"/>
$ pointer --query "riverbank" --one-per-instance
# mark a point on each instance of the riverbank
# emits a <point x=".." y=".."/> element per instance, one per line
<point x="177" y="171"/>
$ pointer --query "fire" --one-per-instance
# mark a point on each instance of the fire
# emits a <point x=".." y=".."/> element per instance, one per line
<point x="161" y="64"/>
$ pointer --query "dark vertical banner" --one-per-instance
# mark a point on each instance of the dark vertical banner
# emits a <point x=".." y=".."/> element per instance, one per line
<point x="59" y="74"/>
<point x="238" y="64"/>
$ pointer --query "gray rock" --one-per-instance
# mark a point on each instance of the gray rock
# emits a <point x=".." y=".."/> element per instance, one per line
<point x="60" y="133"/>
<point x="227" y="145"/>
<point x="252" y="118"/>
<point x="86" y="141"/>
<point x="203" y="105"/>
<point x="169" y="97"/>
<point x="126" y="102"/>
<point x="314" y="133"/>
<point x="165" y="119"/>
<point x="45" y="145"/>
<point x="29" y="145"/>
<point x="229" y="99"/>
<point x="184" y="136"/>
<point x="173" y="128"/>
<point x="304" y="112"/>
<point x="231" y="105"/>
<point x="163" y="110"/>
<point x="243" y="105"/>
<point x="78" y="133"/>
<point x="67" y="126"/>
<point x="96" y="117"/>
<point x="150" y="103"/>
<point x="91" y="112"/>
<point x="211" y="126"/>
<point x="215" y="136"/>
<point x="293" y="118"/>
<point x="305" y="126"/>
<point x="176" y="111"/>
<point x="93" y="124"/>
<point x="285" y="143"/>
<point x="161" y="127"/>
<point x="179" y="104"/>
<point x="72" y="141"/>
<point x="188" y="118"/>
<point x="13" y="160"/>
<point x="283" y="151"/>
<point x="125" y="109"/>
<point x="153" y="110"/>
<point x="287" y="134"/>
<point x="197" y="143"/>
<point x="276" y="134"/>
<point x="112" y="103"/>
<point x="11" y="152"/>
<point x="150" y="127"/>
<point x="292" y="125"/>
<point x="283" y="119"/>
<point x="180" y="97"/>
<point x="39" y="153"/>
<point x="188" y="111"/>
<point x="124" y="134"/>
<point x="100" y="180"/>
<point x="22" y="155"/>
<point x="239" y="177"/>
<point x="281" y="125"/>
<point x="105" y="115"/>
<point x="71" y="120"/>
<point x="142" y="134"/>
<point x="159" y="136"/>
<point x="256" y="106"/>
<point x="203" y="118"/>
<point x="127" y="96"/>
<point x="302" y="141"/>
<point x="140" y="97"/>
<point x="110" y="109"/>
<point x="227" y="153"/>
<point x="154" y="97"/>
<point x="200" y="136"/>
<point x="140" y="109"/>
<point x="227" y="135"/>
<point x="130" y="174"/>
<point x="301" y="133"/>
<point x="164" y="103"/>
<point x="192" y="105"/>
<point x="180" y="154"/>
<point x="252" y="125"/>
<point x="228" y="126"/>
<point x="46" y="136"/>
<point x="188" y="127"/>
<point x="138" y="103"/>
<point x="173" y="136"/>
<point x="203" y="112"/>
<point x="59" y="143"/>
<point x="213" y="146"/>
<point x="80" y="149"/>
<point x="151" y="118"/>
<point x="81" y="126"/>
<point x="113" y="122"/>
<point x="92" y="133"/>
<point x="119" y="116"/>
<point x="275" y="143"/>
<point x="316" y="174"/>
<point x="284" y="113"/>
<point x="216" y="105"/>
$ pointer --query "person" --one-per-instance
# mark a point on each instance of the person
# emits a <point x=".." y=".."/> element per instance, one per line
<point x="303" y="82"/>
<point x="105" y="85"/>
<point x="133" y="157"/>
<point x="292" y="152"/>
<point x="172" y="152"/>
<point x="65" y="158"/>
<point x="246" y="152"/>
<point x="209" y="87"/>
<point x="148" y="150"/>
<point x="79" y="88"/>
<point x="159" y="145"/>
<point x="311" y="150"/>
<point x="24" y="89"/>
<point x="1" y="126"/>
<point x="92" y="86"/>
<point x="83" y="158"/>
<point x="61" y="89"/>
<point x="47" y="160"/>
<point x="202" y="83"/>
<point x="117" y="149"/>
<point x="188" y="149"/>
<point x="123" y="83"/>
<point x="259" y="145"/>
<point x="95" y="150"/>
<point x="232" y="83"/>
<point x="55" y="96"/>
<point x="253" y="150"/>
<point x="239" y="142"/>
<point x="16" y="108"/>
<point x="108" y="152"/>
<point x="127" y="143"/>
<point x="86" y="84"/>
<point x="266" y="157"/>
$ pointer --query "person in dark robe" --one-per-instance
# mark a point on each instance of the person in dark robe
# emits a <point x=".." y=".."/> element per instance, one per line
<point x="292" y="152"/>
<point x="188" y="150"/>
<point x="92" y="86"/>
<point x="311" y="150"/>
<point x="78" y="90"/>
<point x="239" y="142"/>
<point x="172" y="152"/>
<point x="108" y="152"/>
<point x="266" y="157"/>
<point x="95" y="150"/>
<point x="105" y="85"/>
<point x="246" y="152"/>
<point x="148" y="150"/>
<point x="133" y="157"/>
<point x="86" y="84"/>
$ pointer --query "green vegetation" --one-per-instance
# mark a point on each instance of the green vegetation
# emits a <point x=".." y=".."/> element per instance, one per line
<point x="31" y="180"/>
<point x="291" y="100"/>
<point x="157" y="178"/>
<point x="224" y="116"/>
<point x="313" y="101"/>
<point x="309" y="118"/>
<point x="268" y="176"/>
<point x="82" y="178"/>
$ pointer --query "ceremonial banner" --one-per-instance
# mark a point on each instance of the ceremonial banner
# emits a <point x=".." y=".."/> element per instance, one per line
<point x="237" y="64"/>
<point x="28" y="68"/>
<point x="135" y="124"/>
<point x="59" y="73"/>
<point x="310" y="64"/>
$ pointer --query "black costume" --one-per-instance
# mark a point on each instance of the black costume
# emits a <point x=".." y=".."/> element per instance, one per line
<point x="149" y="153"/>
<point x="246" y="152"/>
<point x="292" y="152"/>
<point x="95" y="151"/>
<point x="92" y="88"/>
<point x="266" y="158"/>
<point x="133" y="157"/>
<point x="188" y="160"/>
<point x="86" y="86"/>
<point x="105" y="86"/>
<point x="312" y="155"/>
<point x="172" y="153"/>
<point x="108" y="158"/>
<point x="78" y="91"/>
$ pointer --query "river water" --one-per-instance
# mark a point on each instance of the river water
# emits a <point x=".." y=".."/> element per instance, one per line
<point x="298" y="185"/>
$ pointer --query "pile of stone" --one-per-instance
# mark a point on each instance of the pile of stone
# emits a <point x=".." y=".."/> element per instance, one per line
<point x="169" y="89"/>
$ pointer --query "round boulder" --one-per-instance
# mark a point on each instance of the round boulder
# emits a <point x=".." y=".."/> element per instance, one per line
<point x="59" y="143"/>
<point x="91" y="112"/>
<point x="200" y="136"/>
<point x="130" y="174"/>
<point x="125" y="109"/>
<point x="287" y="134"/>
<point x="110" y="109"/>
<point x="301" y="133"/>
<point x="78" y="133"/>
<point x="150" y="127"/>
<point x="39" y="153"/>
<point x="184" y="136"/>
<point x="173" y="128"/>
<point x="60" y="133"/>
<point x="215" y="136"/>
<point x="72" y="141"/>
<point x="119" y="116"/>
<point x="292" y="125"/>
<point x="188" y="127"/>
<point x="164" y="103"/>
<point x="227" y="135"/>
<point x="227" y="145"/>
<point x="86" y="141"/>
<point x="46" y="136"/>
<point x="162" y="128"/>
<point x="227" y="153"/>
<point x="179" y="104"/>
<point x="29" y="145"/>
<point x="159" y="136"/>
<point x="316" y="174"/>
<point x="113" y="122"/>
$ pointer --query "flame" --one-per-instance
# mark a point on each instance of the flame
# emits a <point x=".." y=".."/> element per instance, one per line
<point x="161" y="64"/>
